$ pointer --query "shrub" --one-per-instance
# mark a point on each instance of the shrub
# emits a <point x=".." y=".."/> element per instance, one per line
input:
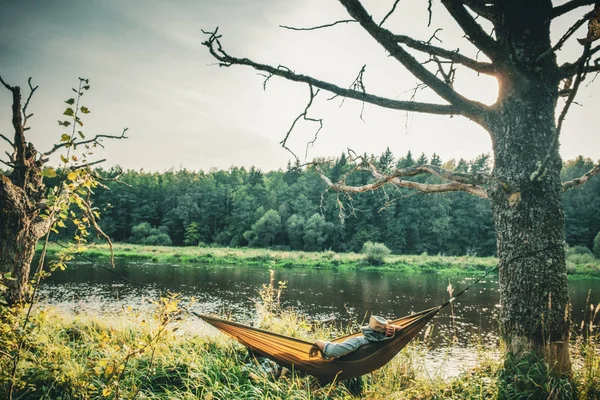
<point x="578" y="250"/>
<point x="375" y="253"/>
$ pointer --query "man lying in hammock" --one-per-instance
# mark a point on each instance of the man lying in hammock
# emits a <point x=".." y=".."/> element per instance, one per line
<point x="379" y="329"/>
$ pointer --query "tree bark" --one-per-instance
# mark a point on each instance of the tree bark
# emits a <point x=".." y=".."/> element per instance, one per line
<point x="21" y="200"/>
<point x="17" y="243"/>
<point x="528" y="212"/>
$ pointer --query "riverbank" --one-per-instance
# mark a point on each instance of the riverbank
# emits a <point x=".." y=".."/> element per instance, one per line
<point x="132" y="355"/>
<point x="578" y="265"/>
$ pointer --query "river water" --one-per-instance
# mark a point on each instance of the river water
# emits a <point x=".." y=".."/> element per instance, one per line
<point x="341" y="296"/>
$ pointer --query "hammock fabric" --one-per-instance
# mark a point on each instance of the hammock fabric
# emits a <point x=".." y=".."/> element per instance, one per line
<point x="293" y="353"/>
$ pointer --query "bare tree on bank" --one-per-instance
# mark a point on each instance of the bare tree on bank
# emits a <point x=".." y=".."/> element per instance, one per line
<point x="27" y="211"/>
<point x="524" y="124"/>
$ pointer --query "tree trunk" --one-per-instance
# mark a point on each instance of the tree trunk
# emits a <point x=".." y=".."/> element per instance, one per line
<point x="20" y="230"/>
<point x="528" y="212"/>
<point x="22" y="194"/>
<point x="530" y="227"/>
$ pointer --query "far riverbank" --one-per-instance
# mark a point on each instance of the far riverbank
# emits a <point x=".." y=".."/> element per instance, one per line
<point x="578" y="265"/>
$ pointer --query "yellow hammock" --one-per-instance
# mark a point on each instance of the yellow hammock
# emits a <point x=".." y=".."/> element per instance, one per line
<point x="293" y="353"/>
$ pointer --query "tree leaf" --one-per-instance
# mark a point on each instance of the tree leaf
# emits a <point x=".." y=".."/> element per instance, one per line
<point x="49" y="173"/>
<point x="64" y="123"/>
<point x="70" y="102"/>
<point x="85" y="110"/>
<point x="72" y="176"/>
<point x="63" y="159"/>
<point x="81" y="135"/>
<point x="65" y="137"/>
<point x="69" y="112"/>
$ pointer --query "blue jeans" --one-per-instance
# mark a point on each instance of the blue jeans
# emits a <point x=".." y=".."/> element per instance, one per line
<point x="335" y="350"/>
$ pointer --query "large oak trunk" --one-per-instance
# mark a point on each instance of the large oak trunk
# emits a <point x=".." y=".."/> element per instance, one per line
<point x="528" y="209"/>
<point x="529" y="221"/>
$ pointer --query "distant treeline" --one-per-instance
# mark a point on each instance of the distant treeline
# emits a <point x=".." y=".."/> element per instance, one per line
<point x="293" y="209"/>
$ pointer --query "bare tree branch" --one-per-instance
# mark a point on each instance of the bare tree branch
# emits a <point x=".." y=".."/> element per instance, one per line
<point x="344" y="21"/>
<point x="567" y="35"/>
<point x="470" y="183"/>
<point x="303" y="115"/>
<point x="226" y="60"/>
<point x="483" y="8"/>
<point x="389" y="13"/>
<point x="7" y="139"/>
<point x="569" y="6"/>
<point x="453" y="55"/>
<point x="458" y="182"/>
<point x="85" y="165"/>
<point x="83" y="142"/>
<point x="563" y="114"/>
<point x="469" y="108"/>
<point x="31" y="91"/>
<point x="473" y="30"/>
<point x="582" y="179"/>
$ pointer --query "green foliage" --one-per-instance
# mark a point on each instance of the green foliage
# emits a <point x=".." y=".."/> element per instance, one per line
<point x="375" y="253"/>
<point x="316" y="233"/>
<point x="145" y="234"/>
<point x="265" y="230"/>
<point x="225" y="205"/>
<point x="597" y="246"/>
<point x="192" y="235"/>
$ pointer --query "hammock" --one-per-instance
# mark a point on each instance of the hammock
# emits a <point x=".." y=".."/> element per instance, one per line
<point x="293" y="353"/>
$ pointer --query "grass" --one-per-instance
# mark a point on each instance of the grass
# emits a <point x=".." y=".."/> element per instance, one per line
<point x="578" y="266"/>
<point x="132" y="355"/>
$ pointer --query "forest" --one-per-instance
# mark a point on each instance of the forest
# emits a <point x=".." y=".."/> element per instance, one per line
<point x="293" y="209"/>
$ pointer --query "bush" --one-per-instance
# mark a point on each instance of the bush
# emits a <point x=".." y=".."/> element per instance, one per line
<point x="578" y="250"/>
<point x="597" y="246"/>
<point x="375" y="252"/>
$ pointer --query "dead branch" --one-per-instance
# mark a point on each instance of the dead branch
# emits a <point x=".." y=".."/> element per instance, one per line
<point x="394" y="179"/>
<point x="473" y="30"/>
<point x="567" y="35"/>
<point x="389" y="13"/>
<point x="536" y="175"/>
<point x="31" y="91"/>
<point x="483" y="8"/>
<point x="470" y="183"/>
<point x="453" y="55"/>
<point x="7" y="139"/>
<point x="582" y="179"/>
<point x="569" y="6"/>
<point x="344" y="21"/>
<point x="469" y="108"/>
<point x="85" y="165"/>
<point x="305" y="117"/>
<point x="226" y="60"/>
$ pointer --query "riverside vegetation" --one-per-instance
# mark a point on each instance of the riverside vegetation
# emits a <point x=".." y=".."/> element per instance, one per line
<point x="580" y="261"/>
<point x="133" y="355"/>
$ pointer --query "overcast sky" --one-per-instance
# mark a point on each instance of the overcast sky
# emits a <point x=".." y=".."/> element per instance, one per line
<point x="149" y="71"/>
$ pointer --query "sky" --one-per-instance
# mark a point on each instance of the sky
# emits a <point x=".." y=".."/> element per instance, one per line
<point x="149" y="71"/>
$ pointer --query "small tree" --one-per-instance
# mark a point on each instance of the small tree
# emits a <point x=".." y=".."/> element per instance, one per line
<point x="27" y="211"/>
<point x="191" y="237"/>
